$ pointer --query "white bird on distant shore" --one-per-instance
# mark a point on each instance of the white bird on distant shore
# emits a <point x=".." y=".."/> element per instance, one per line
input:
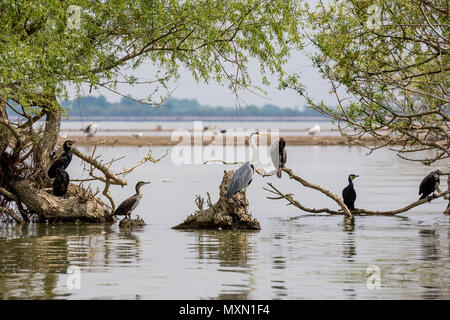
<point x="138" y="135"/>
<point x="91" y="129"/>
<point x="314" y="130"/>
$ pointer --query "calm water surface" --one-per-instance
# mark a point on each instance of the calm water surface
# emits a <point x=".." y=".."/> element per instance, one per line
<point x="294" y="256"/>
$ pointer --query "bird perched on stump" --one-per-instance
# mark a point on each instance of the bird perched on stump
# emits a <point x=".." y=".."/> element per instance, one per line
<point x="244" y="175"/>
<point x="126" y="207"/>
<point x="241" y="179"/>
<point x="349" y="193"/>
<point x="429" y="184"/>
<point x="63" y="160"/>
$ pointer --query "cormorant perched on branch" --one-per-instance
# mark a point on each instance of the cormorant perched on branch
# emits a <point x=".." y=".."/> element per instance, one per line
<point x="126" y="207"/>
<point x="63" y="160"/>
<point x="61" y="182"/>
<point x="349" y="193"/>
<point x="278" y="155"/>
<point x="429" y="184"/>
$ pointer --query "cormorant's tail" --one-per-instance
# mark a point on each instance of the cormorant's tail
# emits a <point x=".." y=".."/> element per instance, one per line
<point x="423" y="196"/>
<point x="279" y="173"/>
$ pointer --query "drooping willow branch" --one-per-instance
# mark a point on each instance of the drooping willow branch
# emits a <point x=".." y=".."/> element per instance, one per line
<point x="289" y="197"/>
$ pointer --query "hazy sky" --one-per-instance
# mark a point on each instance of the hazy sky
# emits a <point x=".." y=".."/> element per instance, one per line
<point x="213" y="94"/>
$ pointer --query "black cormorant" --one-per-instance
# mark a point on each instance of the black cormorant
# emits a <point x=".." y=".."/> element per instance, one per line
<point x="61" y="182"/>
<point x="278" y="155"/>
<point x="126" y="207"/>
<point x="63" y="160"/>
<point x="429" y="184"/>
<point x="349" y="193"/>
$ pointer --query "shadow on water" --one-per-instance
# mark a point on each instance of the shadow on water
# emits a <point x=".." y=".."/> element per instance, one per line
<point x="36" y="257"/>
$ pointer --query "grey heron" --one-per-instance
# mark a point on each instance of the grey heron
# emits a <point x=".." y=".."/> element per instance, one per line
<point x="91" y="129"/>
<point x="61" y="182"/>
<point x="278" y="155"/>
<point x="126" y="207"/>
<point x="349" y="193"/>
<point x="63" y="160"/>
<point x="314" y="130"/>
<point x="429" y="184"/>
<point x="244" y="175"/>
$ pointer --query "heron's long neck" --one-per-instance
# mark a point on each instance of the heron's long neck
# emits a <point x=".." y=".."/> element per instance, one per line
<point x="138" y="190"/>
<point x="350" y="182"/>
<point x="255" y="159"/>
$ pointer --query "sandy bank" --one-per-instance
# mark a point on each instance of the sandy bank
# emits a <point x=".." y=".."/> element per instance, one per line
<point x="167" y="141"/>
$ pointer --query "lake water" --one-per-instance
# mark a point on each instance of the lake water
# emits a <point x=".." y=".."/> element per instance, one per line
<point x="294" y="256"/>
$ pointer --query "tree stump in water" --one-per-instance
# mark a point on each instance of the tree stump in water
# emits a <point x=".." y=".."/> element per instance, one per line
<point x="225" y="213"/>
<point x="128" y="224"/>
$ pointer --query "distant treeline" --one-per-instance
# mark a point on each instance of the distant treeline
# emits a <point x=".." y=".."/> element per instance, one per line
<point x="92" y="106"/>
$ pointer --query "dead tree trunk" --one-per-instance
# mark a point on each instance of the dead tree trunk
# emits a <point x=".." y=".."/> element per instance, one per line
<point x="225" y="213"/>
<point x="25" y="156"/>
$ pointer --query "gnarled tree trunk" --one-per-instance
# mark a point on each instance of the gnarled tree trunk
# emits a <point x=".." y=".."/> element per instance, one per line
<point x="225" y="213"/>
<point x="25" y="156"/>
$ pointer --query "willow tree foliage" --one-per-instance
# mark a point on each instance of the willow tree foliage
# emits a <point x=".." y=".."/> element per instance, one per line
<point x="388" y="64"/>
<point x="47" y="45"/>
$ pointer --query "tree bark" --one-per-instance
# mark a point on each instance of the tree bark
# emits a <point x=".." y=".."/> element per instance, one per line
<point x="45" y="145"/>
<point x="79" y="205"/>
<point x="225" y="213"/>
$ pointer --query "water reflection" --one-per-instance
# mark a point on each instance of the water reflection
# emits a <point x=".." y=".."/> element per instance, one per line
<point x="34" y="258"/>
<point x="429" y="278"/>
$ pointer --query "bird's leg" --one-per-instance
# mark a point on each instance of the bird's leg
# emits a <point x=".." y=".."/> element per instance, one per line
<point x="429" y="198"/>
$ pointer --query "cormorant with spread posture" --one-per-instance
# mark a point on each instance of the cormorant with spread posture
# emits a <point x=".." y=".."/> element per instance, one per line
<point x="429" y="184"/>
<point x="278" y="155"/>
<point x="61" y="182"/>
<point x="63" y="160"/>
<point x="126" y="207"/>
<point x="349" y="193"/>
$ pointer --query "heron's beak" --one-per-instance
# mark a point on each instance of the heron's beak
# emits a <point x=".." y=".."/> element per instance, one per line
<point x="147" y="182"/>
